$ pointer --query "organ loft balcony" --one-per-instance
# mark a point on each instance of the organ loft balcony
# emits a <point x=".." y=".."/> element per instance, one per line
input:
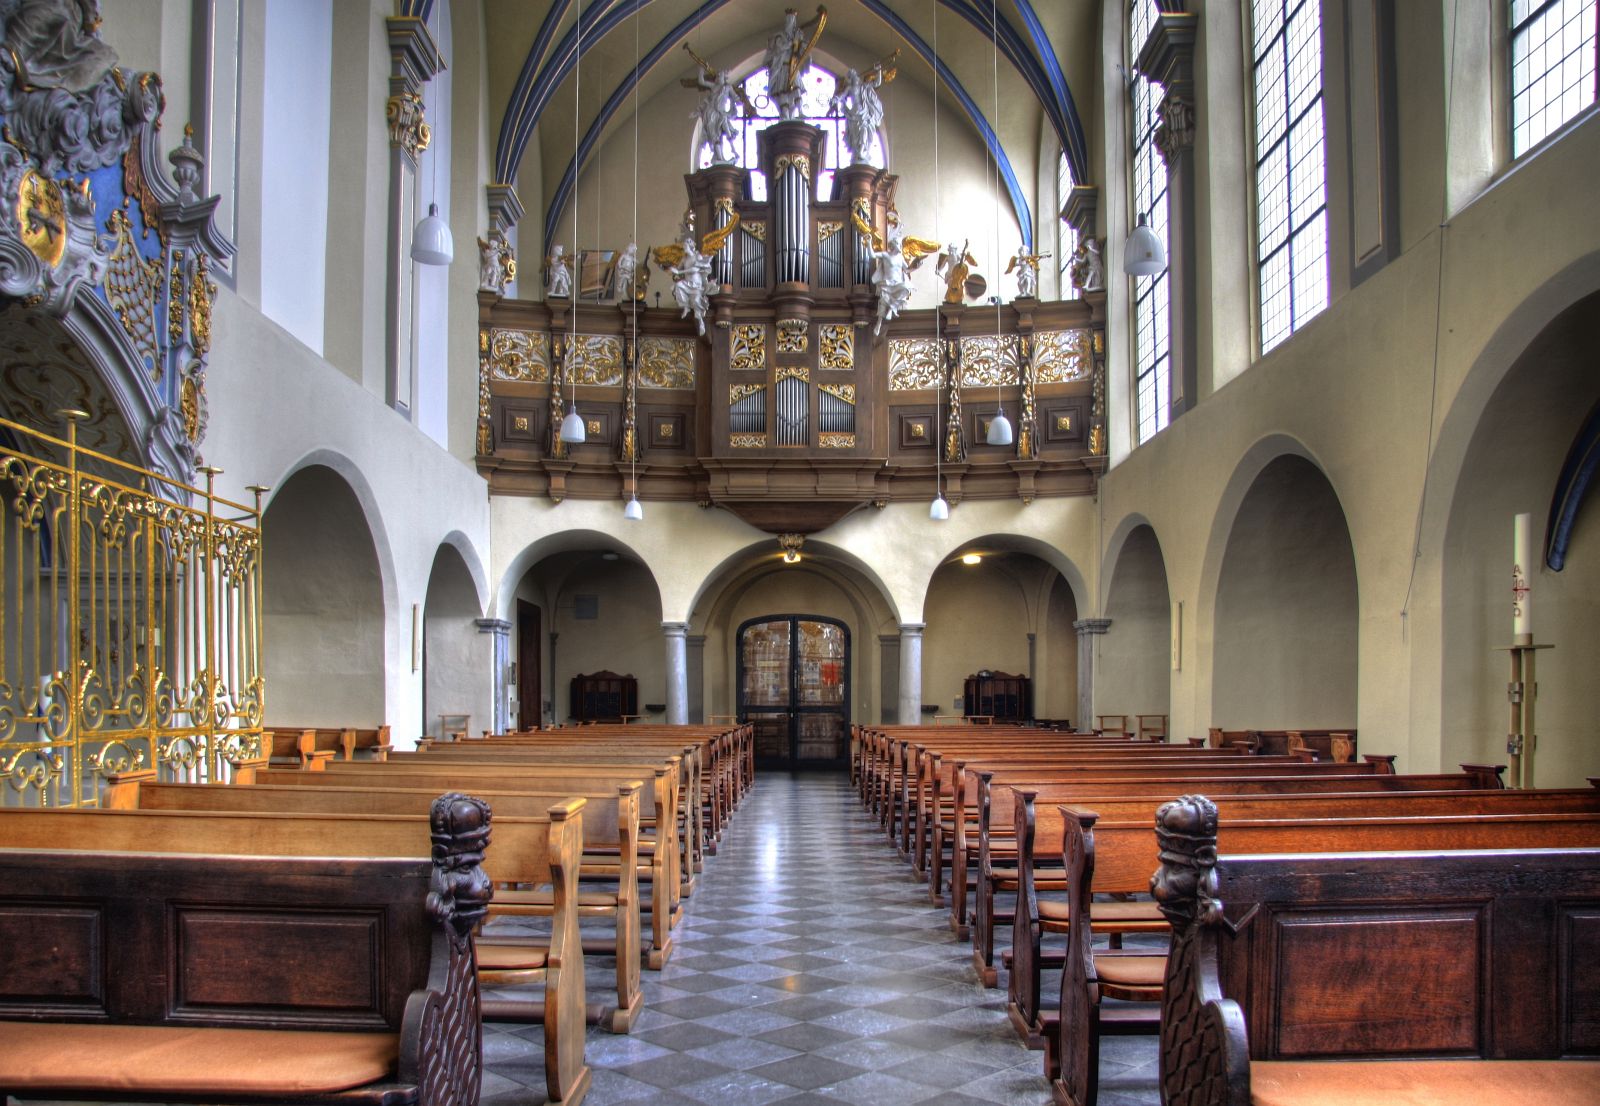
<point x="805" y="397"/>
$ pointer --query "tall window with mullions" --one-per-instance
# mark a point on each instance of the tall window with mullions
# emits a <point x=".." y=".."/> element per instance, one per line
<point x="1291" y="165"/>
<point x="1552" y="66"/>
<point x="1152" y="346"/>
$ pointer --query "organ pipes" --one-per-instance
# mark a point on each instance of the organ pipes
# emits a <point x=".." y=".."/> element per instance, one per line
<point x="793" y="210"/>
<point x="794" y="403"/>
<point x="722" y="260"/>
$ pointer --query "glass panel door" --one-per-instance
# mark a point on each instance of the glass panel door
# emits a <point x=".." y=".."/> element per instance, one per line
<point x="794" y="687"/>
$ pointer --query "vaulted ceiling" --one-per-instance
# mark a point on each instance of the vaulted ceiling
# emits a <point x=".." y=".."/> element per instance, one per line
<point x="1040" y="71"/>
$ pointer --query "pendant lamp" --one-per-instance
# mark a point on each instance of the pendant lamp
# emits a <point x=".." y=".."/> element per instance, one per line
<point x="634" y="511"/>
<point x="939" y="509"/>
<point x="999" y="428"/>
<point x="432" y="242"/>
<point x="1144" y="255"/>
<point x="572" y="425"/>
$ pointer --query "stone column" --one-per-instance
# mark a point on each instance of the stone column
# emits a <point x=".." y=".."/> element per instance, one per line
<point x="499" y="631"/>
<point x="911" y="673"/>
<point x="889" y="679"/>
<point x="1168" y="59"/>
<point x="551" y="661"/>
<point x="697" y="678"/>
<point x="1088" y="629"/>
<point x="677" y="672"/>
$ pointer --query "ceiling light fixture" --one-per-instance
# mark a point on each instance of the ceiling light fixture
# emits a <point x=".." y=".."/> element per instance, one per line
<point x="431" y="242"/>
<point x="939" y="509"/>
<point x="1143" y="256"/>
<point x="999" y="427"/>
<point x="634" y="511"/>
<point x="572" y="429"/>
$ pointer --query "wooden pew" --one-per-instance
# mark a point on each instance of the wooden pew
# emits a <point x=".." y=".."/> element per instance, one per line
<point x="1112" y="856"/>
<point x="1374" y="978"/>
<point x="165" y="977"/>
<point x="521" y="850"/>
<point x="1040" y="827"/>
<point x="660" y="855"/>
<point x="610" y="819"/>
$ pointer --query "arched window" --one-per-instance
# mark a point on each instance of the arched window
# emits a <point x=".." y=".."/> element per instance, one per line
<point x="1291" y="165"/>
<point x="1552" y="66"/>
<point x="818" y="84"/>
<point x="1152" y="345"/>
<point x="1066" y="240"/>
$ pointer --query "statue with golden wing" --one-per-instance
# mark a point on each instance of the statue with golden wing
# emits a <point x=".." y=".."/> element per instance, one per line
<point x="955" y="266"/>
<point x="690" y="266"/>
<point x="788" y="50"/>
<point x="895" y="256"/>
<point x="856" y="98"/>
<point x="1026" y="266"/>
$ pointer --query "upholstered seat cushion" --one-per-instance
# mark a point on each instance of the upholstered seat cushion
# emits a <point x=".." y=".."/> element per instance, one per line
<point x="1131" y="971"/>
<point x="1108" y="913"/>
<point x="1423" y="1082"/>
<point x="510" y="958"/>
<point x="157" y="1060"/>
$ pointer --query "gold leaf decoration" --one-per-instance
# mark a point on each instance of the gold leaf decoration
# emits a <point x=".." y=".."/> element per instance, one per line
<point x="913" y="364"/>
<point x="522" y="355"/>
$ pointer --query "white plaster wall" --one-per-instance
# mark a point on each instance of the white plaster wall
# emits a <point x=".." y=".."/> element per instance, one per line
<point x="1135" y="671"/>
<point x="431" y="319"/>
<point x="456" y="669"/>
<point x="276" y="406"/>
<point x="297" y="74"/>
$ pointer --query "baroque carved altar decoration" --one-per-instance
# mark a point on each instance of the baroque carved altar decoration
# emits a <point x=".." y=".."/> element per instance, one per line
<point x="789" y="379"/>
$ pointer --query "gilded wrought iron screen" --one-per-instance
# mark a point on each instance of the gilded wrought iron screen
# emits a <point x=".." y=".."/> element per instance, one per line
<point x="130" y="627"/>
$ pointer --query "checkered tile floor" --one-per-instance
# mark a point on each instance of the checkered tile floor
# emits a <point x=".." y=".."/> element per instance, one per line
<point x="810" y="967"/>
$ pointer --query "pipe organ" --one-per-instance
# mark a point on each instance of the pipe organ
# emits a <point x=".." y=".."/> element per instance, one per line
<point x="791" y="411"/>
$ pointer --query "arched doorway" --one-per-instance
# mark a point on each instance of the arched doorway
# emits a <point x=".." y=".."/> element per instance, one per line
<point x="794" y="688"/>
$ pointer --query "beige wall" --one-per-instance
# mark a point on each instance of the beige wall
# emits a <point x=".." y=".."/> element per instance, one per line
<point x="1135" y="675"/>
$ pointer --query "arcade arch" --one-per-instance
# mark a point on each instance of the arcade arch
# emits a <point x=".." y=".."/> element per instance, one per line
<point x="1135" y="663"/>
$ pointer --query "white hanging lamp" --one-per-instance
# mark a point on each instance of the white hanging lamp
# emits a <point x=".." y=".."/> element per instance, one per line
<point x="633" y="511"/>
<point x="999" y="428"/>
<point x="572" y="431"/>
<point x="431" y="242"/>
<point x="999" y="432"/>
<point x="939" y="509"/>
<point x="1144" y="255"/>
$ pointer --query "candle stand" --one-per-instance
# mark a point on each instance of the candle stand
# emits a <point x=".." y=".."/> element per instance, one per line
<point x="1523" y="690"/>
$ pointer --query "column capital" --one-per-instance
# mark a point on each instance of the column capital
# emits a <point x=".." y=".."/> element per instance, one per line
<point x="675" y="629"/>
<point x="1091" y="626"/>
<point x="497" y="626"/>
<point x="1167" y="56"/>
<point x="913" y="629"/>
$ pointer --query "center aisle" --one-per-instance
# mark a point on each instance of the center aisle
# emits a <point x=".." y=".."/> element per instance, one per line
<point x="810" y="967"/>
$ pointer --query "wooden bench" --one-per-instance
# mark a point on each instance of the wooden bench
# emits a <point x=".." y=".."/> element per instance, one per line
<point x="1040" y="829"/>
<point x="522" y="850"/>
<point x="251" y="979"/>
<point x="659" y="852"/>
<point x="1371" y="979"/>
<point x="1112" y="855"/>
<point x="610" y="821"/>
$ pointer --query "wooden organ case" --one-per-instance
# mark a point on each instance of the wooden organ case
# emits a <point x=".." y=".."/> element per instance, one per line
<point x="790" y="411"/>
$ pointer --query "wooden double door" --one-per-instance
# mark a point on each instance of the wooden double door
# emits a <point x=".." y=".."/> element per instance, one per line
<point x="794" y="688"/>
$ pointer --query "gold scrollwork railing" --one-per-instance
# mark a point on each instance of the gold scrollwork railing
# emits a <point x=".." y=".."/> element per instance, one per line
<point x="130" y="626"/>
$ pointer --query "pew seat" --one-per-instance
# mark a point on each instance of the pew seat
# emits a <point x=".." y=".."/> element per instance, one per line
<point x="1423" y="1082"/>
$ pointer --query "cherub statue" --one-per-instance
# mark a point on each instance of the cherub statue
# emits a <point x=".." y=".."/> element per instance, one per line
<point x="1086" y="269"/>
<point x="491" y="273"/>
<point x="627" y="267"/>
<point x="558" y="276"/>
<point x="689" y="284"/>
<point x="856" y="98"/>
<point x="955" y="265"/>
<point x="787" y="52"/>
<point x="1027" y="268"/>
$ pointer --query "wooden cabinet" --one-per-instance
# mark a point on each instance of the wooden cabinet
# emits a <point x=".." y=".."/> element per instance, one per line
<point x="604" y="697"/>
<point x="999" y="695"/>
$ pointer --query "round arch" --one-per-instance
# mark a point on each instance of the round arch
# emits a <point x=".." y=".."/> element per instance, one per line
<point x="1135" y="669"/>
<point x="324" y="609"/>
<point x="371" y="516"/>
<point x="455" y="681"/>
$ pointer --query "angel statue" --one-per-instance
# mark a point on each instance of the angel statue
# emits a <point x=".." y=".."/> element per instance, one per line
<point x="955" y="265"/>
<point x="491" y="266"/>
<point x="717" y="110"/>
<point x="856" y="98"/>
<point x="1086" y="268"/>
<point x="894" y="258"/>
<point x="1027" y="268"/>
<point x="690" y="266"/>
<point x="787" y="53"/>
<point x="627" y="267"/>
<point x="558" y="277"/>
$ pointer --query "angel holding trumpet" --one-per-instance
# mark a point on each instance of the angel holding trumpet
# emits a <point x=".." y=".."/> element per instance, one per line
<point x="856" y="98"/>
<point x="717" y="109"/>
